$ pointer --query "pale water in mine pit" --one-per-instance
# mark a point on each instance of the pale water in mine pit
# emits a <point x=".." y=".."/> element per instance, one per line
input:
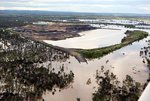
<point x="92" y="39"/>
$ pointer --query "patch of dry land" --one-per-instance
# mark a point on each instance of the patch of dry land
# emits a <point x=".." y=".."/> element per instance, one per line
<point x="53" y="31"/>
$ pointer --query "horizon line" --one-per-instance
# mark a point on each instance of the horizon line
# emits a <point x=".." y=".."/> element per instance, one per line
<point x="77" y="12"/>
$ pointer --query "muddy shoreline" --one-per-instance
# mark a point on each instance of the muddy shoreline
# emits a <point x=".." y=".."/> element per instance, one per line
<point x="72" y="52"/>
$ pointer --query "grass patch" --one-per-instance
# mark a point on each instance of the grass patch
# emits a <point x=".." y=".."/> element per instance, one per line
<point x="131" y="36"/>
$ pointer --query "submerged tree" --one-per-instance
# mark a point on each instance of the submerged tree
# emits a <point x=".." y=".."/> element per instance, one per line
<point x="110" y="90"/>
<point x="145" y="53"/>
<point x="26" y="69"/>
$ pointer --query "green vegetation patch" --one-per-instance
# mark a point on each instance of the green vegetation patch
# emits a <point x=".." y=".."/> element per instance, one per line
<point x="131" y="36"/>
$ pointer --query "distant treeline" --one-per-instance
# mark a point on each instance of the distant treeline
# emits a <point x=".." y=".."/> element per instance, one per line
<point x="16" y="20"/>
<point x="7" y="21"/>
<point x="12" y="18"/>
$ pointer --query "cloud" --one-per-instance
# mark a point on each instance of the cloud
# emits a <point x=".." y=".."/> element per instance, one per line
<point x="21" y="8"/>
<point x="2" y="8"/>
<point x="106" y="6"/>
<point x="60" y="7"/>
<point x="145" y="8"/>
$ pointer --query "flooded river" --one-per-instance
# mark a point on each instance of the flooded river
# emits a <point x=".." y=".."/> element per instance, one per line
<point x="125" y="61"/>
<point x="37" y="72"/>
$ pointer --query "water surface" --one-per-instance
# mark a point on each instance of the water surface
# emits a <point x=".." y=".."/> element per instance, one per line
<point x="92" y="39"/>
<point x="126" y="61"/>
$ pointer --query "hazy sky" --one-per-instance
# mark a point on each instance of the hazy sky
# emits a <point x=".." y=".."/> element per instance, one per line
<point x="99" y="6"/>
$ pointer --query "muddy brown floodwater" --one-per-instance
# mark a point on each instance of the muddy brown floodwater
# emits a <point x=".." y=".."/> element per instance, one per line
<point x="125" y="61"/>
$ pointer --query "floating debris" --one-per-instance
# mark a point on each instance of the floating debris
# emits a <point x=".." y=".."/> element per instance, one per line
<point x="78" y="99"/>
<point x="88" y="81"/>
<point x="123" y="53"/>
<point x="107" y="61"/>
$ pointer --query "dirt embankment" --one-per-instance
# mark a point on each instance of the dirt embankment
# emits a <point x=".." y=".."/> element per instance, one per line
<point x="53" y="31"/>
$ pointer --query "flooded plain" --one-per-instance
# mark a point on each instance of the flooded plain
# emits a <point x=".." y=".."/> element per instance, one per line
<point x="125" y="61"/>
<point x="40" y="72"/>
